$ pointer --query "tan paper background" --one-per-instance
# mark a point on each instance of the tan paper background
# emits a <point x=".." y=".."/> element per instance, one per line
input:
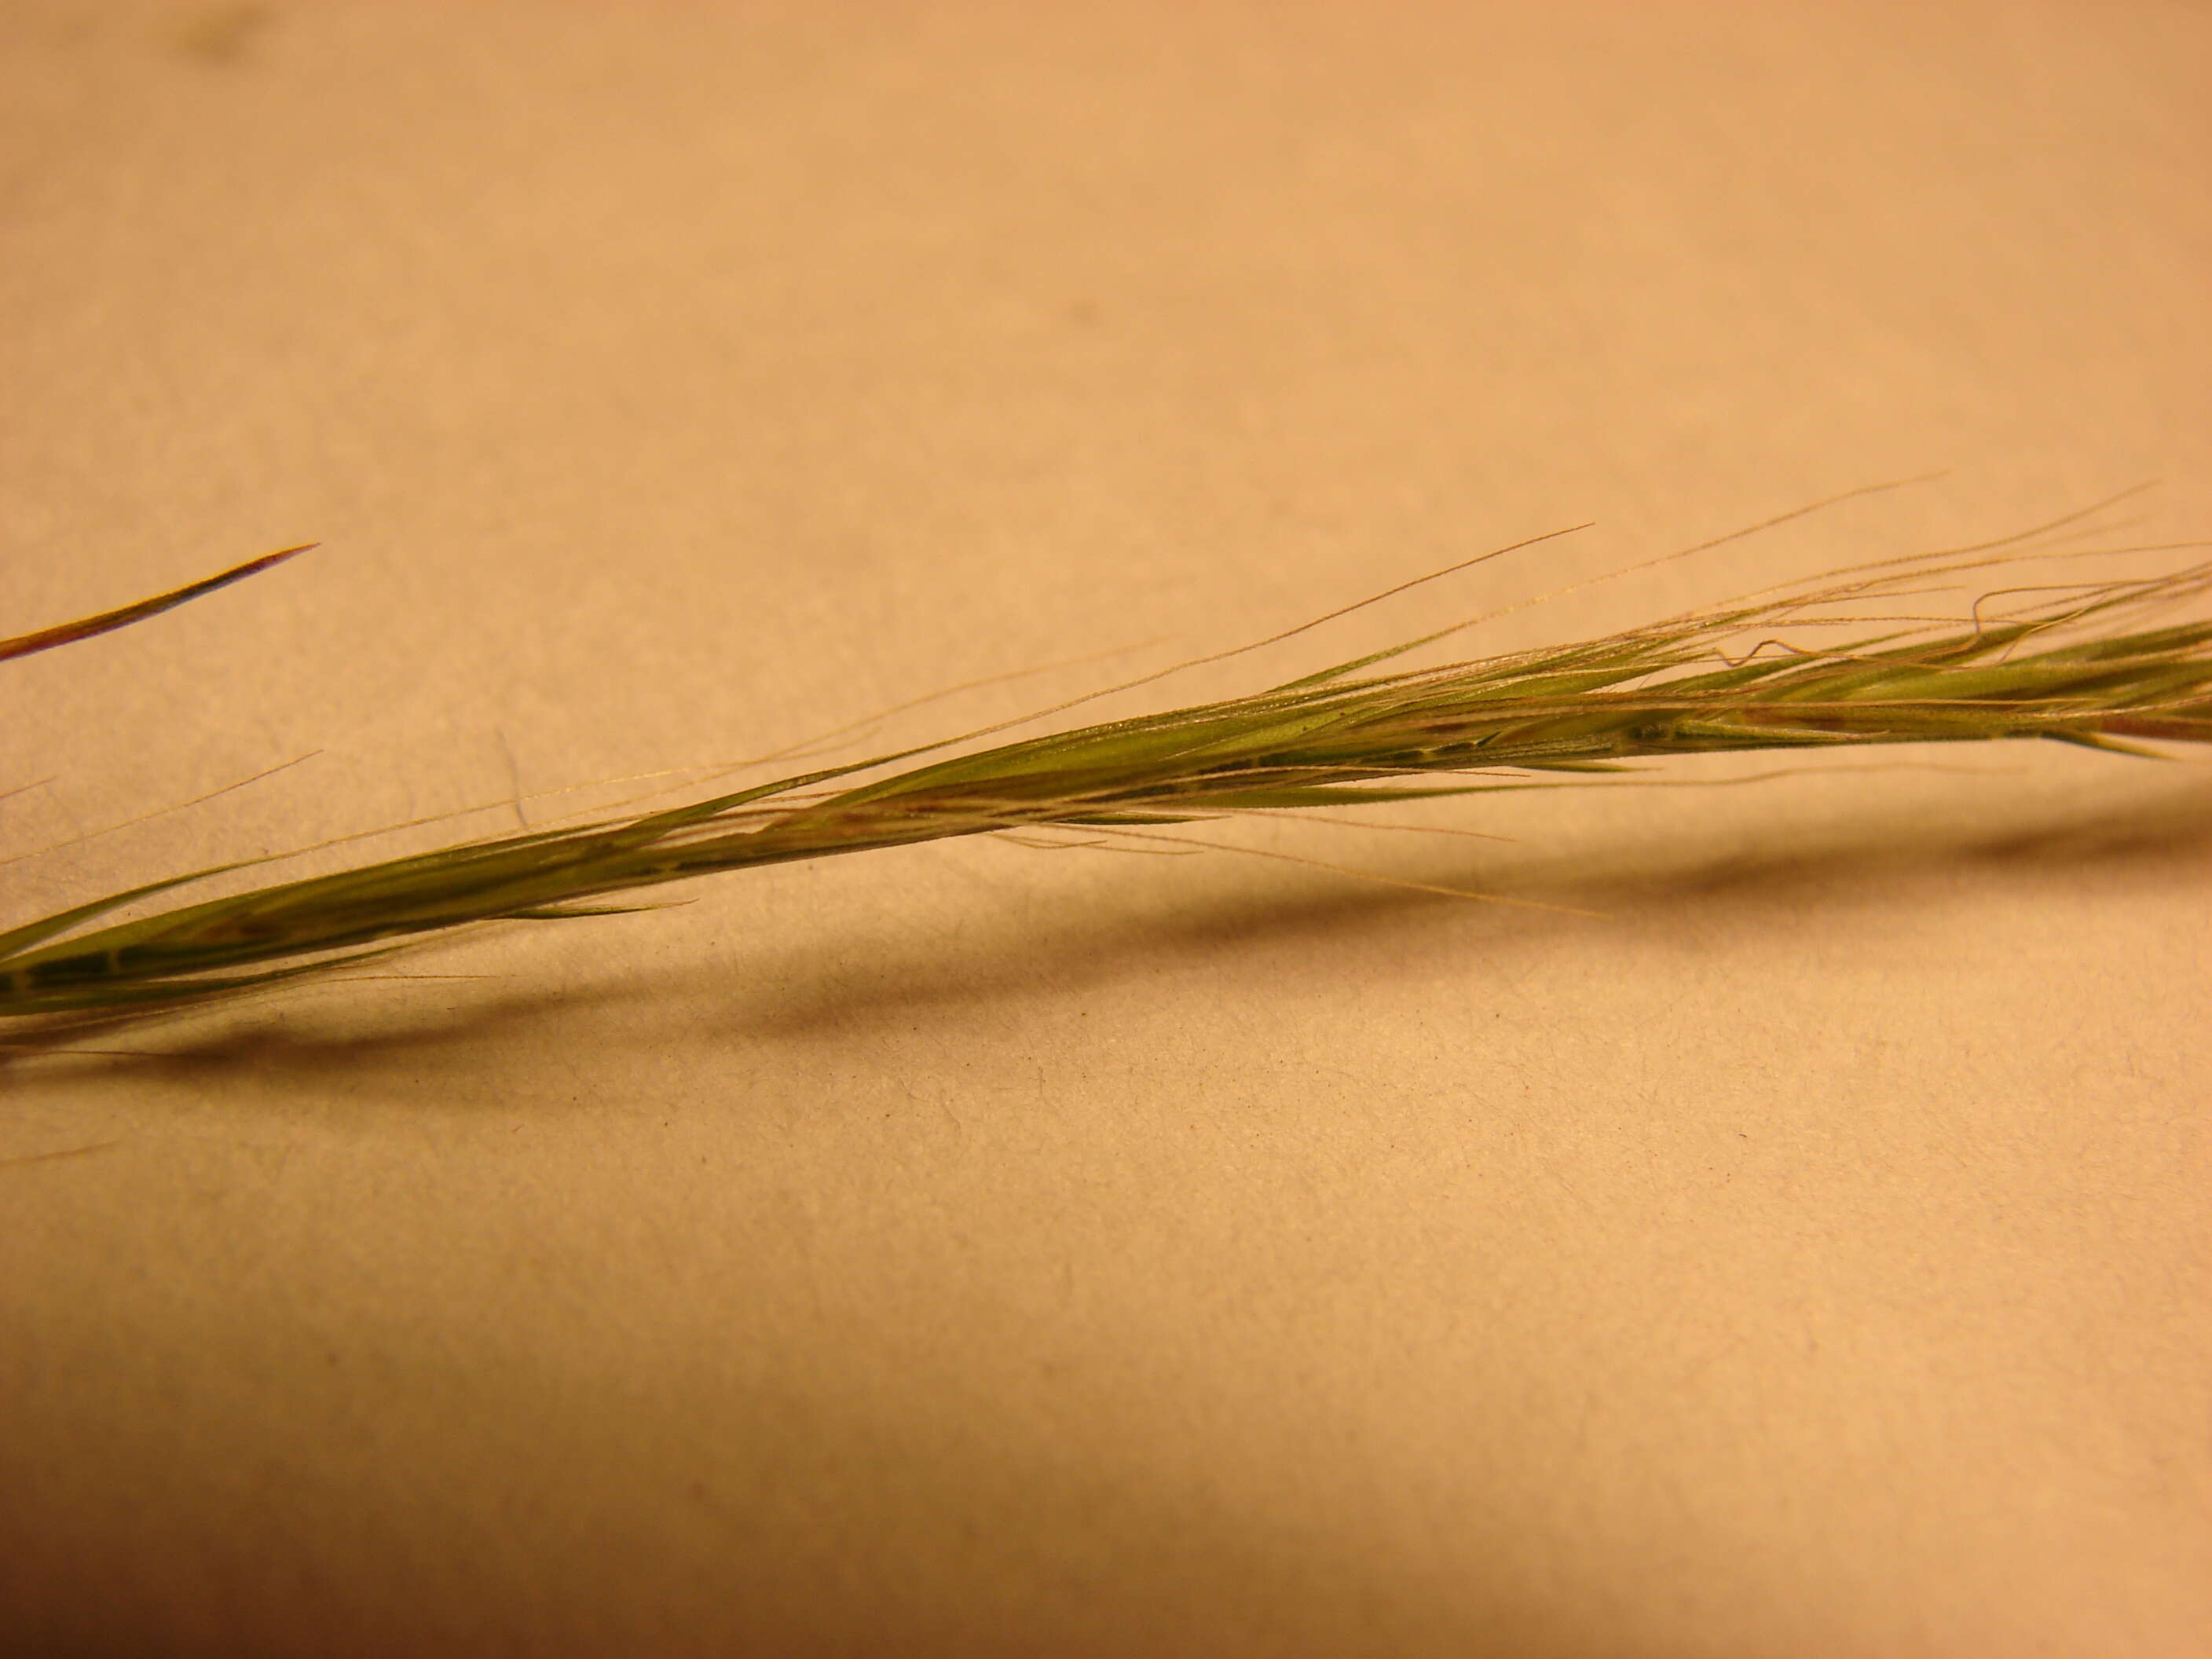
<point x="970" y="1249"/>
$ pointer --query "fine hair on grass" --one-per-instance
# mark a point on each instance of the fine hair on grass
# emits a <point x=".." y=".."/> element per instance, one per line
<point x="1847" y="660"/>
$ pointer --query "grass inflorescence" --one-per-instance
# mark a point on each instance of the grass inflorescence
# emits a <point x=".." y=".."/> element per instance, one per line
<point x="2102" y="664"/>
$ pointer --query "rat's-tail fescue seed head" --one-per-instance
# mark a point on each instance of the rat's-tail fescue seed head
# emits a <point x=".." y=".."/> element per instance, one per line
<point x="2070" y="664"/>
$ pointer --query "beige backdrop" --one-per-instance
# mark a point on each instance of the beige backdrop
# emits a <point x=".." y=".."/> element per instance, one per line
<point x="973" y="1250"/>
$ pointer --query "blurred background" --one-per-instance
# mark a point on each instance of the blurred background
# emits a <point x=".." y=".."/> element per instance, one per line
<point x="973" y="1250"/>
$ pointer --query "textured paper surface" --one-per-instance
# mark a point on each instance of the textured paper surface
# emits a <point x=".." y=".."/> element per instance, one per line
<point x="975" y="1250"/>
